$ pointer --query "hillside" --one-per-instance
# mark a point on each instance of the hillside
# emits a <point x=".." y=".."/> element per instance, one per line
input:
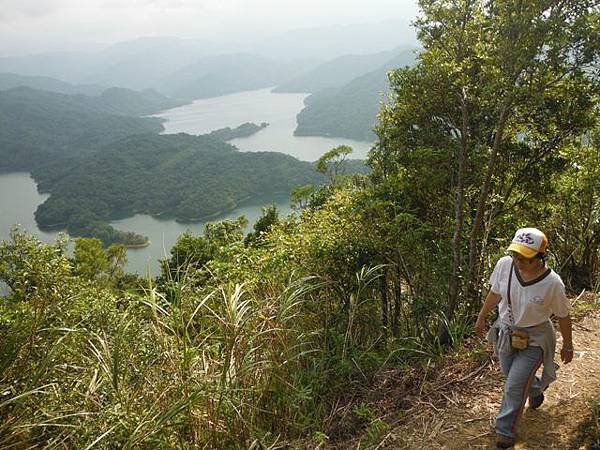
<point x="350" y="111"/>
<point x="336" y="72"/>
<point x="451" y="402"/>
<point x="39" y="127"/>
<point x="134" y="103"/>
<point x="181" y="176"/>
<point x="458" y="402"/>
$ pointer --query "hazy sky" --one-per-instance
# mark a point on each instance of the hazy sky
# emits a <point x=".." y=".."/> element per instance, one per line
<point x="28" y="26"/>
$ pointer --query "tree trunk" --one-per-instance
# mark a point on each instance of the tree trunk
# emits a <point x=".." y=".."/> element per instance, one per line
<point x="383" y="288"/>
<point x="474" y="255"/>
<point x="458" y="221"/>
<point x="397" y="303"/>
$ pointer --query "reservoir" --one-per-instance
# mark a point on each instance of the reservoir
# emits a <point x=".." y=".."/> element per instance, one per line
<point x="19" y="197"/>
<point x="163" y="233"/>
<point x="278" y="110"/>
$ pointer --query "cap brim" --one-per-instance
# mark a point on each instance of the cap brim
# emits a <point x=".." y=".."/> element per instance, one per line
<point x="522" y="250"/>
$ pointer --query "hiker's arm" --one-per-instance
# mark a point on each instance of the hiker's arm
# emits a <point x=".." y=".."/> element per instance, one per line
<point x="566" y="330"/>
<point x="491" y="300"/>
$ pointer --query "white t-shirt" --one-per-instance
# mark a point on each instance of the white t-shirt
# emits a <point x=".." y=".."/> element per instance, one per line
<point x="533" y="302"/>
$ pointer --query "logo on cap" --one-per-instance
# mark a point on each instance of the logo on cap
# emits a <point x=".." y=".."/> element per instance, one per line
<point x="529" y="242"/>
<point x="524" y="238"/>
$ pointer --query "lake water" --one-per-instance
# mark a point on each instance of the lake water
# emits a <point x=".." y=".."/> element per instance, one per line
<point x="164" y="233"/>
<point x="278" y="110"/>
<point x="19" y="197"/>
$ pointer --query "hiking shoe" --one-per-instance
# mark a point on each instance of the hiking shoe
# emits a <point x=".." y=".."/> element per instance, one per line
<point x="504" y="441"/>
<point x="536" y="401"/>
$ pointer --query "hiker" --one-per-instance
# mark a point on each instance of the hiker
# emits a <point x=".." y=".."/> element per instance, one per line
<point x="523" y="335"/>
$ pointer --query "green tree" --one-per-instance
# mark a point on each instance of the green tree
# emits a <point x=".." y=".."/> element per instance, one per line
<point x="189" y="252"/>
<point x="226" y="232"/>
<point x="473" y="130"/>
<point x="301" y="195"/>
<point x="89" y="257"/>
<point x="116" y="255"/>
<point x="573" y="215"/>
<point x="331" y="164"/>
<point x="92" y="261"/>
<point x="269" y="217"/>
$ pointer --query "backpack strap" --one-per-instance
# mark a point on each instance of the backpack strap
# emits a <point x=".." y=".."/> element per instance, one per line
<point x="510" y="314"/>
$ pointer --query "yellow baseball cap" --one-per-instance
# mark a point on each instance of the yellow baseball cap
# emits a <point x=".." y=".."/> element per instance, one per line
<point x="528" y="242"/>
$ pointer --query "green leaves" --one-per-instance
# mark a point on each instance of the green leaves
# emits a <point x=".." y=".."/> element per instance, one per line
<point x="332" y="162"/>
<point x="573" y="215"/>
<point x="473" y="132"/>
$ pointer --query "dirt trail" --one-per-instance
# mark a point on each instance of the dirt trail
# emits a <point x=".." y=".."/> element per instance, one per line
<point x="466" y="420"/>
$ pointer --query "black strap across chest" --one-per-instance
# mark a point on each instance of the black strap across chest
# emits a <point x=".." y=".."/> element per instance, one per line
<point x="510" y="315"/>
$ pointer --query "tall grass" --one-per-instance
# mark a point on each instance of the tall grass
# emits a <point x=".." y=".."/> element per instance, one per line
<point x="187" y="364"/>
<point x="218" y="369"/>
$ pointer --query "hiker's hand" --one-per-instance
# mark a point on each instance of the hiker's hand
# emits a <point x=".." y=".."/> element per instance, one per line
<point x="566" y="355"/>
<point x="480" y="327"/>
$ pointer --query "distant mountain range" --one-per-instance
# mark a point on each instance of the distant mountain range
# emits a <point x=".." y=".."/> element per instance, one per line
<point x="212" y="76"/>
<point x="136" y="64"/>
<point x="184" y="74"/>
<point x="12" y="80"/>
<point x="346" y="91"/>
<point x="336" y="72"/>
<point x="198" y="68"/>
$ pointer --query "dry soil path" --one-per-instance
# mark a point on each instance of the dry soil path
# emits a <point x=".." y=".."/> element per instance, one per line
<point x="467" y="419"/>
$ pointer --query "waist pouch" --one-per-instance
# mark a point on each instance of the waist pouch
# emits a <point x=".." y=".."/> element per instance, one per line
<point x="519" y="339"/>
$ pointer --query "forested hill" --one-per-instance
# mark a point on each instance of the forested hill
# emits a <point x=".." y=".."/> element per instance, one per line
<point x="134" y="103"/>
<point x="336" y="72"/>
<point x="349" y="111"/>
<point x="181" y="176"/>
<point x="38" y="127"/>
